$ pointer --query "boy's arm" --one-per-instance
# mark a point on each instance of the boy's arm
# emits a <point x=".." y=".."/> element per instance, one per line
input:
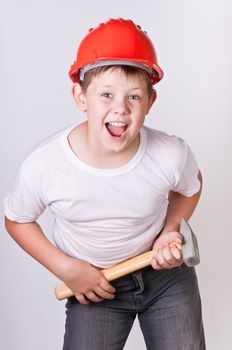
<point x="82" y="278"/>
<point x="179" y="206"/>
<point x="31" y="238"/>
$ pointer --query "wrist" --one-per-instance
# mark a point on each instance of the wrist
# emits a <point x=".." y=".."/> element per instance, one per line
<point x="70" y="268"/>
<point x="171" y="226"/>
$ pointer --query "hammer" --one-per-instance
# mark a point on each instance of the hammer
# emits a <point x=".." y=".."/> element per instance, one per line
<point x="190" y="254"/>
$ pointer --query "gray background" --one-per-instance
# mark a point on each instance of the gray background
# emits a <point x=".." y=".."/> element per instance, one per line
<point x="38" y="44"/>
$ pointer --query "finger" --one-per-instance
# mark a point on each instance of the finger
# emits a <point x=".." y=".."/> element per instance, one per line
<point x="176" y="244"/>
<point x="177" y="253"/>
<point x="93" y="297"/>
<point x="161" y="260"/>
<point x="81" y="299"/>
<point x="102" y="293"/>
<point x="176" y="236"/>
<point x="168" y="256"/>
<point x="106" y="286"/>
<point x="172" y="260"/>
<point x="155" y="265"/>
<point x="173" y="239"/>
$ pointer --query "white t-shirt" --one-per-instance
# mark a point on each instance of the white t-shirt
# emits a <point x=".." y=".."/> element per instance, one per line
<point x="103" y="216"/>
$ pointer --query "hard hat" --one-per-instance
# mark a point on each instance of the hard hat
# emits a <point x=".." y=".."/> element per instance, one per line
<point x="117" y="41"/>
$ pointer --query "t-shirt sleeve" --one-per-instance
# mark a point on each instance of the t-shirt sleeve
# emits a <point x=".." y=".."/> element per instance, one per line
<point x="187" y="182"/>
<point x="24" y="202"/>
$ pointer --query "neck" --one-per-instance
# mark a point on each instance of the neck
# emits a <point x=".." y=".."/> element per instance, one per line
<point x="101" y="158"/>
<point x="90" y="152"/>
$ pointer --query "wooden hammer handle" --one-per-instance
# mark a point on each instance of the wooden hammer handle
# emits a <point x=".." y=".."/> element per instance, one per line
<point x="116" y="271"/>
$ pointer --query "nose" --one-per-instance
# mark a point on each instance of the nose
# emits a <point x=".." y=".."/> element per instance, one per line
<point x="121" y="106"/>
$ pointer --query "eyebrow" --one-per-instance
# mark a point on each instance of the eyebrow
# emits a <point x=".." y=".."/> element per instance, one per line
<point x="111" y="86"/>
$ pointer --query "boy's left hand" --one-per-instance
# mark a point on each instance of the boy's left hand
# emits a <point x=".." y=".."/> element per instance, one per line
<point x="167" y="257"/>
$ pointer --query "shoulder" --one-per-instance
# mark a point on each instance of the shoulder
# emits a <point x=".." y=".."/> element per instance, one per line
<point x="45" y="154"/>
<point x="172" y="158"/>
<point x="165" y="147"/>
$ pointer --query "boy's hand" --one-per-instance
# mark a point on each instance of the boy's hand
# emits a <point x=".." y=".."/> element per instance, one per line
<point x="87" y="283"/>
<point x="167" y="257"/>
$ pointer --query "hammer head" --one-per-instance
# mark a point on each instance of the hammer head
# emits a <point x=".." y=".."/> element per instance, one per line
<point x="190" y="249"/>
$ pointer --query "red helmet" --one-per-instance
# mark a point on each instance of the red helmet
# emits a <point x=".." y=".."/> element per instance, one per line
<point x="117" y="41"/>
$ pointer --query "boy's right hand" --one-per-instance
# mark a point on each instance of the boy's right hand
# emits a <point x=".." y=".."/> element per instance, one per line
<point x="87" y="283"/>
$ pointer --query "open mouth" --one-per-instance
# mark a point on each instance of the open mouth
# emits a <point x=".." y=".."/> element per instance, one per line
<point x="116" y="129"/>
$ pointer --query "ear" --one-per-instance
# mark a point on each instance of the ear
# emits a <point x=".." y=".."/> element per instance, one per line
<point x="79" y="96"/>
<point x="152" y="100"/>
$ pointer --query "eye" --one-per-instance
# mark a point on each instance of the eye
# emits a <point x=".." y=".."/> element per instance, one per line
<point x="134" y="97"/>
<point x="106" y="94"/>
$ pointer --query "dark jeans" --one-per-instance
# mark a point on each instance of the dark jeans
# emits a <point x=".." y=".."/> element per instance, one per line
<point x="167" y="303"/>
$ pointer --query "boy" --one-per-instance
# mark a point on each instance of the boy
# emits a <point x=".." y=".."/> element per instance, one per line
<point x="116" y="189"/>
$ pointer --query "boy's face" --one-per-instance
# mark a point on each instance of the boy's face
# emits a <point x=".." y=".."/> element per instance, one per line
<point x="113" y="97"/>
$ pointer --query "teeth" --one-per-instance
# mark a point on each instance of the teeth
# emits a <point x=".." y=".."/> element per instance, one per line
<point x="117" y="123"/>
